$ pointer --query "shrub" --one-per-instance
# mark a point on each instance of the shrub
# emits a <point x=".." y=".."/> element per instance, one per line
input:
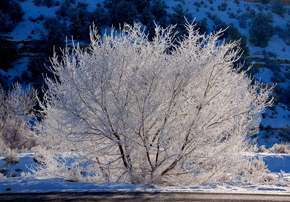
<point x="68" y="167"/>
<point x="262" y="149"/>
<point x="197" y="4"/>
<point x="64" y="10"/>
<point x="234" y="35"/>
<point x="269" y="54"/>
<point x="243" y="21"/>
<point x="32" y="19"/>
<point x="279" y="8"/>
<point x="223" y="6"/>
<point x="262" y="29"/>
<point x="202" y="26"/>
<point x="49" y="3"/>
<point x="99" y="16"/>
<point x="15" y="112"/>
<point x="260" y="7"/>
<point x="284" y="33"/>
<point x="280" y="148"/>
<point x="284" y="94"/>
<point x="232" y="15"/>
<point x="41" y="17"/>
<point x="8" y="54"/>
<point x="106" y="104"/>
<point x="37" y="2"/>
<point x="53" y="34"/>
<point x="278" y="77"/>
<point x="10" y="14"/>
<point x="10" y="156"/>
<point x="179" y="15"/>
<point x="265" y="1"/>
<point x="158" y="9"/>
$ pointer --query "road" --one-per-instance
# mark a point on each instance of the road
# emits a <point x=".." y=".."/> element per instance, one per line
<point x="141" y="196"/>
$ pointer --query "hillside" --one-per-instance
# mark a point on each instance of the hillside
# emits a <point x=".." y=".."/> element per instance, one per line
<point x="35" y="37"/>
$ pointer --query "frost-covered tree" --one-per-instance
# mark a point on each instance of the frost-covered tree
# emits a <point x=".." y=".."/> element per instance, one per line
<point x="15" y="111"/>
<point x="141" y="111"/>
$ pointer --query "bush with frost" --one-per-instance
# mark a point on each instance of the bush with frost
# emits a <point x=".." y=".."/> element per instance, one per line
<point x="15" y="112"/>
<point x="160" y="111"/>
<point x="10" y="156"/>
<point x="50" y="164"/>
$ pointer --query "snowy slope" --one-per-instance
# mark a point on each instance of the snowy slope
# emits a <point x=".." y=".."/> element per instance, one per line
<point x="27" y="30"/>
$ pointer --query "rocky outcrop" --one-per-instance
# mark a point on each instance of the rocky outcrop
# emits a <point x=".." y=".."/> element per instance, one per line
<point x="275" y="61"/>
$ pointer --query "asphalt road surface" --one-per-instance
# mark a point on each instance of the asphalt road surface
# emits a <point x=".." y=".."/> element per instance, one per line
<point x="142" y="196"/>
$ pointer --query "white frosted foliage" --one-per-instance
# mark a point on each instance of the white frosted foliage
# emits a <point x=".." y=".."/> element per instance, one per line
<point x="161" y="111"/>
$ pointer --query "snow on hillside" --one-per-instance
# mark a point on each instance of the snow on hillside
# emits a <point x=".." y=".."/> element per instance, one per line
<point x="280" y="118"/>
<point x="27" y="30"/>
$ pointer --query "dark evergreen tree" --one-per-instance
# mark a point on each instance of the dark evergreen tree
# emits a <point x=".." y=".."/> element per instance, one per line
<point x="53" y="35"/>
<point x="5" y="24"/>
<point x="147" y="19"/>
<point x="110" y="3"/>
<point x="12" y="9"/>
<point x="284" y="33"/>
<point x="99" y="17"/>
<point x="37" y="67"/>
<point x="262" y="29"/>
<point x="123" y="12"/>
<point x="5" y="82"/>
<point x="37" y="2"/>
<point x="8" y="53"/>
<point x="64" y="9"/>
<point x="141" y="5"/>
<point x="279" y="8"/>
<point x="265" y="1"/>
<point x="221" y="25"/>
<point x="49" y="3"/>
<point x="179" y="16"/>
<point x="202" y="26"/>
<point x="158" y="9"/>
<point x="147" y="16"/>
<point x="15" y="11"/>
<point x="80" y="21"/>
<point x="234" y="35"/>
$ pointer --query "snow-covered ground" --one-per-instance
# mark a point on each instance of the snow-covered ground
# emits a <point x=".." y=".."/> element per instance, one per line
<point x="278" y="164"/>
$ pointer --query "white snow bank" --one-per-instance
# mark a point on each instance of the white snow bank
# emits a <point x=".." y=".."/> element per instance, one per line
<point x="276" y="163"/>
